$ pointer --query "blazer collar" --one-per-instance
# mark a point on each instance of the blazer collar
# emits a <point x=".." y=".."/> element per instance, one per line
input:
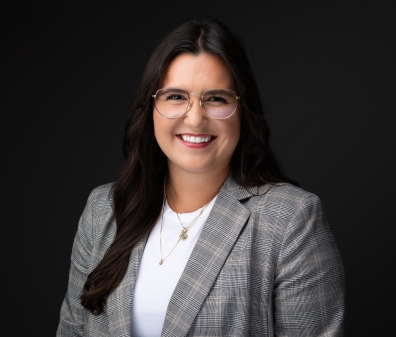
<point x="119" y="303"/>
<point x="238" y="191"/>
<point x="221" y="230"/>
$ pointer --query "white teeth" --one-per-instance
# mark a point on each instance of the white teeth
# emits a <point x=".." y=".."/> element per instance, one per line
<point x="196" y="140"/>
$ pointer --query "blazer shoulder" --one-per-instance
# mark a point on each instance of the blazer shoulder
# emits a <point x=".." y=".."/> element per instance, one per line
<point x="284" y="191"/>
<point x="101" y="196"/>
<point x="97" y="222"/>
<point x="99" y="205"/>
<point x="282" y="200"/>
<point x="103" y="192"/>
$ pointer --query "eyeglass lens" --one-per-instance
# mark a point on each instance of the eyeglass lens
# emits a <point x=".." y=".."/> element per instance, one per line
<point x="173" y="102"/>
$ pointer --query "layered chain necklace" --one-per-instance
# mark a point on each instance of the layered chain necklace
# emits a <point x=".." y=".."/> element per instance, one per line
<point x="183" y="234"/>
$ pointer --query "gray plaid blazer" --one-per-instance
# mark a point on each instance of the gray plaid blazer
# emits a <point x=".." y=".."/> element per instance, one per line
<point x="263" y="266"/>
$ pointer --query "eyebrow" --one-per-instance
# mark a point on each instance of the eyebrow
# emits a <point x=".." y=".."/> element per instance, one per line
<point x="220" y="91"/>
<point x="214" y="91"/>
<point x="178" y="90"/>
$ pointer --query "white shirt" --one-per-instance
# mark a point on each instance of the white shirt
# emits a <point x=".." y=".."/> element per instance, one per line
<point x="155" y="283"/>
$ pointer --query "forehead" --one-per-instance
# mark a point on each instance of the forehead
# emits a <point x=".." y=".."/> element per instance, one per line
<point x="197" y="73"/>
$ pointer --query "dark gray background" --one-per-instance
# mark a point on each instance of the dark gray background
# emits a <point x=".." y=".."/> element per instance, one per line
<point x="326" y="72"/>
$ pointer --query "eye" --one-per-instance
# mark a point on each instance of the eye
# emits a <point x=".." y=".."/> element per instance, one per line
<point x="216" y="99"/>
<point x="172" y="96"/>
<point x="175" y="97"/>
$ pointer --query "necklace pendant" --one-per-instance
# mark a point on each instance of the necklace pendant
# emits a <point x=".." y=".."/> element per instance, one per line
<point x="183" y="235"/>
<point x="161" y="262"/>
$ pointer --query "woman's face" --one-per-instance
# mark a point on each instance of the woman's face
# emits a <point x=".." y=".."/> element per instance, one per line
<point x="197" y="73"/>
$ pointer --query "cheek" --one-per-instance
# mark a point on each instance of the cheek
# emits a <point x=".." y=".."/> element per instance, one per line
<point x="233" y="132"/>
<point x="163" y="130"/>
<point x="159" y="125"/>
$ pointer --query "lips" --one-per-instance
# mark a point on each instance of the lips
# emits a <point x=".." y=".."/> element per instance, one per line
<point x="196" y="139"/>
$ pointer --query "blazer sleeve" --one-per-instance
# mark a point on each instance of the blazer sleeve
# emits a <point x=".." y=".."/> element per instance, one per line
<point x="72" y="312"/>
<point x="309" y="292"/>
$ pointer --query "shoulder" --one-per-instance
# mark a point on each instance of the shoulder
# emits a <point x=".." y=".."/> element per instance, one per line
<point x="98" y="207"/>
<point x="101" y="196"/>
<point x="102" y="192"/>
<point x="283" y="193"/>
<point x="280" y="200"/>
<point x="284" y="202"/>
<point x="97" y="226"/>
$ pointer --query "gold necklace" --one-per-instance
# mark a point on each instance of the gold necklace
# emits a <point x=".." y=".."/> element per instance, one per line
<point x="182" y="236"/>
<point x="161" y="261"/>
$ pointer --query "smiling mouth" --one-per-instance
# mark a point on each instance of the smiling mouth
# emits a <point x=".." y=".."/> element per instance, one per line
<point x="196" y="139"/>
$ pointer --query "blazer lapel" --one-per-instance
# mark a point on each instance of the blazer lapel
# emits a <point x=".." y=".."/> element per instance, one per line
<point x="119" y="303"/>
<point x="217" y="238"/>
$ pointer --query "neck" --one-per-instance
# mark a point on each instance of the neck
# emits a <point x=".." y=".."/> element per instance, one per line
<point x="186" y="192"/>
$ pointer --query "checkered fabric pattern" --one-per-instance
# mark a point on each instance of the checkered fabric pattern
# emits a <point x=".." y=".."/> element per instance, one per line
<point x="265" y="264"/>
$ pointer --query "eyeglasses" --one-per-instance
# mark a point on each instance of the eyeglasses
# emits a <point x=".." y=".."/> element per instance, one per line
<point x="174" y="102"/>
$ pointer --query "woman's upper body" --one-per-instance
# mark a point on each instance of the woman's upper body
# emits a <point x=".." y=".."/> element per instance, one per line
<point x="265" y="264"/>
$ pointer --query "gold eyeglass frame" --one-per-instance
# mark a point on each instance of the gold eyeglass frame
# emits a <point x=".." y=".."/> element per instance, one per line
<point x="200" y="102"/>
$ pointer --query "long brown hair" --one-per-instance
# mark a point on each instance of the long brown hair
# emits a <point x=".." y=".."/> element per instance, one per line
<point x="138" y="191"/>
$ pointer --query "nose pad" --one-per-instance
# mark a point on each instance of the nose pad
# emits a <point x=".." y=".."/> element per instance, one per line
<point x="195" y="116"/>
<point x="189" y="104"/>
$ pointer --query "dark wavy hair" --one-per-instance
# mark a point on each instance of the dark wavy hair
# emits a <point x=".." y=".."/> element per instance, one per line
<point x="138" y="191"/>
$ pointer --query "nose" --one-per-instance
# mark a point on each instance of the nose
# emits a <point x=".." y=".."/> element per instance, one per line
<point x="196" y="114"/>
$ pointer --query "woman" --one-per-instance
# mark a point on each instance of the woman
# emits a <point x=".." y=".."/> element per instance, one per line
<point x="201" y="234"/>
